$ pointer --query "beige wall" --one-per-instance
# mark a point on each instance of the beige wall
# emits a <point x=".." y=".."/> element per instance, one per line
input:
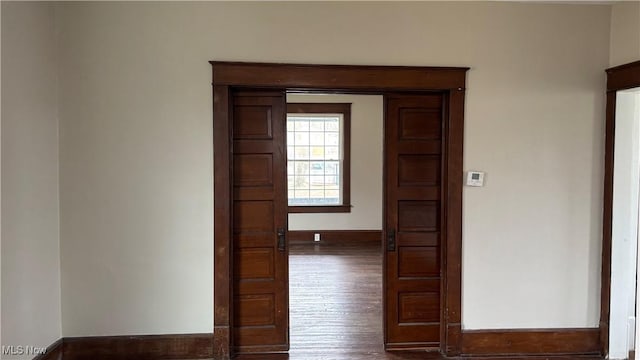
<point x="366" y="167"/>
<point x="625" y="32"/>
<point x="30" y="233"/>
<point x="136" y="153"/>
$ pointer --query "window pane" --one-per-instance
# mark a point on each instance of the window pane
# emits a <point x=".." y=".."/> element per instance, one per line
<point x="331" y="182"/>
<point x="301" y="167"/>
<point x="332" y="153"/>
<point x="314" y="154"/>
<point x="332" y="125"/>
<point x="301" y="138"/>
<point x="331" y="167"/>
<point x="301" y="182"/>
<point x="302" y="125"/>
<point x="332" y="193"/>
<point x="317" y="152"/>
<point x="333" y="138"/>
<point x="301" y="152"/>
<point x="316" y="138"/>
<point x="316" y="125"/>
<point x="316" y="168"/>
<point x="317" y="181"/>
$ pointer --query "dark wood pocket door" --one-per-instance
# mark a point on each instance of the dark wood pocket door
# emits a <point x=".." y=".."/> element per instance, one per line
<point x="260" y="301"/>
<point x="413" y="150"/>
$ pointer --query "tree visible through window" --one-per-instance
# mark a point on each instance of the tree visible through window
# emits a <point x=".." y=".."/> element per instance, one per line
<point x="318" y="150"/>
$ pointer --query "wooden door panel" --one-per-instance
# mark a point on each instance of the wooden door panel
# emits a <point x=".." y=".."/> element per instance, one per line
<point x="419" y="124"/>
<point x="255" y="310"/>
<point x="253" y="147"/>
<point x="418" y="170"/>
<point x="253" y="216"/>
<point x="417" y="216"/>
<point x="418" y="261"/>
<point x="413" y="192"/>
<point x="418" y="307"/>
<point x="252" y="121"/>
<point x="418" y="239"/>
<point x="260" y="304"/>
<point x="253" y="193"/>
<point x="433" y="147"/>
<point x="252" y="241"/>
<point x="413" y="326"/>
<point x="253" y="169"/>
<point x="419" y="192"/>
<point x="254" y="263"/>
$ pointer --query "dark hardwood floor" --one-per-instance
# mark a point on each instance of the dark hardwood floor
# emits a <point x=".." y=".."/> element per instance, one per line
<point x="335" y="305"/>
<point x="335" y="297"/>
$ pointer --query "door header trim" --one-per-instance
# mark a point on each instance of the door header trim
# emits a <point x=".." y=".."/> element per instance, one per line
<point x="338" y="77"/>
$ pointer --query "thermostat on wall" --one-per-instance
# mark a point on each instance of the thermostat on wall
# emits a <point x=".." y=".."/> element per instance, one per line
<point x="475" y="178"/>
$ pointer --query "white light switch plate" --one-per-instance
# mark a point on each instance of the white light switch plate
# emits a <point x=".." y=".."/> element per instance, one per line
<point x="475" y="178"/>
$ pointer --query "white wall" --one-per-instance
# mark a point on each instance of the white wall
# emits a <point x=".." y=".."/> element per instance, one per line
<point x="366" y="166"/>
<point x="0" y="187"/>
<point x="625" y="32"/>
<point x="30" y="233"/>
<point x="136" y="153"/>
<point x="626" y="181"/>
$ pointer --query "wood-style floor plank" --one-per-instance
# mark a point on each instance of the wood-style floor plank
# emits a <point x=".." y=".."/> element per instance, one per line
<point x="335" y="297"/>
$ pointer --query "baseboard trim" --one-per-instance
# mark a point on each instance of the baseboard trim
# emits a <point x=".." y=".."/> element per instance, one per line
<point x="476" y="344"/>
<point x="528" y="342"/>
<point x="139" y="347"/>
<point x="54" y="352"/>
<point x="222" y="346"/>
<point x="336" y="237"/>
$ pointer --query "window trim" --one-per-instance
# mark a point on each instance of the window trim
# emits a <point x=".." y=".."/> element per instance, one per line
<point x="330" y="108"/>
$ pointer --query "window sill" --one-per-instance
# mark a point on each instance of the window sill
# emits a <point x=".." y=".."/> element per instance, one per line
<point x="320" y="209"/>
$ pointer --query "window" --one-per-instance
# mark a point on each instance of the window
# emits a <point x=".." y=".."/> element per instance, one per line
<point x="318" y="151"/>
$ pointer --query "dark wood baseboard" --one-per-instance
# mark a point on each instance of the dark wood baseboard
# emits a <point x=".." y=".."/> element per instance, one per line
<point x="143" y="347"/>
<point x="526" y="342"/>
<point x="54" y="352"/>
<point x="556" y="344"/>
<point x="632" y="355"/>
<point x="336" y="237"/>
<point x="413" y="355"/>
<point x="221" y="342"/>
<point x="453" y="333"/>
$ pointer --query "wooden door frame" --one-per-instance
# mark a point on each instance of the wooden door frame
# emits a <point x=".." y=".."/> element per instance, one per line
<point x="334" y="78"/>
<point x="621" y="77"/>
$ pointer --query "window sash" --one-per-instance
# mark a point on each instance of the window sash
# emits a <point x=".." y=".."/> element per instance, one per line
<point x="315" y="154"/>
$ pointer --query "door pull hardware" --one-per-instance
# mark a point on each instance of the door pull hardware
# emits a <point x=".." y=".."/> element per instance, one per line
<point x="282" y="239"/>
<point x="391" y="240"/>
